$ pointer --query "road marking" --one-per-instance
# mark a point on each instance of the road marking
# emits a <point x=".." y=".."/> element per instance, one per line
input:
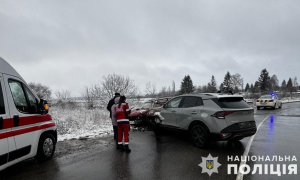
<point x="246" y="152"/>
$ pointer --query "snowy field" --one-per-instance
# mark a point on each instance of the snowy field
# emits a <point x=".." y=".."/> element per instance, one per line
<point x="80" y="122"/>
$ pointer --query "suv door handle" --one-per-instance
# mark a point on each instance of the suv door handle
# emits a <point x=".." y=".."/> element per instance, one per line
<point x="194" y="112"/>
<point x="16" y="120"/>
<point x="1" y="123"/>
<point x="173" y="111"/>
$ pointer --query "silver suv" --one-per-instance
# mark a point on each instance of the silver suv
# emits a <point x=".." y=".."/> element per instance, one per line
<point x="209" y="117"/>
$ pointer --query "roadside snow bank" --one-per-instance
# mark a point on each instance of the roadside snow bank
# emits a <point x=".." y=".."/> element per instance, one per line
<point x="80" y="122"/>
<point x="290" y="100"/>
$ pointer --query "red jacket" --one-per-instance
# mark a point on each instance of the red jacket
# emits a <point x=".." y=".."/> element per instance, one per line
<point x="122" y="113"/>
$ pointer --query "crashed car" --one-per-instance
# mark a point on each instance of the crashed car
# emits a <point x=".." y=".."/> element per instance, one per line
<point x="147" y="112"/>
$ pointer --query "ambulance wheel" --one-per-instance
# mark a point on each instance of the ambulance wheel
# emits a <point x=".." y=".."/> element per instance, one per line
<point x="46" y="147"/>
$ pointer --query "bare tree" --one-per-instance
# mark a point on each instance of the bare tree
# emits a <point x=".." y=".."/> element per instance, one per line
<point x="150" y="89"/>
<point x="169" y="92"/>
<point x="63" y="95"/>
<point x="88" y="93"/>
<point x="236" y="81"/>
<point x="242" y="84"/>
<point x="295" y="83"/>
<point x="163" y="91"/>
<point x="113" y="83"/>
<point x="42" y="91"/>
<point x="106" y="89"/>
<point x="274" y="83"/>
<point x="202" y="89"/>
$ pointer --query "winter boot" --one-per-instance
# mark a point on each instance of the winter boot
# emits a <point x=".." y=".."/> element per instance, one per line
<point x="126" y="148"/>
<point x="120" y="147"/>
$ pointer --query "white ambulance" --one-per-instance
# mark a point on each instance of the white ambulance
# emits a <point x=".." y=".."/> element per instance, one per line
<point x="26" y="128"/>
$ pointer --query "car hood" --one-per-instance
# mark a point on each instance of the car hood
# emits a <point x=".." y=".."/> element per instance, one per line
<point x="138" y="112"/>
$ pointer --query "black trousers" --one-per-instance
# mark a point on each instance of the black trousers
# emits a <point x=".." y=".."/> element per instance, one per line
<point x="115" y="132"/>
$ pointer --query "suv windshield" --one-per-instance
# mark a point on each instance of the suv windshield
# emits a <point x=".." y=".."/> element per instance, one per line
<point x="231" y="102"/>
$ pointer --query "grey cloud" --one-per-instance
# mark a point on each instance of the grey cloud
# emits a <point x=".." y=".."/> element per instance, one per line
<point x="156" y="41"/>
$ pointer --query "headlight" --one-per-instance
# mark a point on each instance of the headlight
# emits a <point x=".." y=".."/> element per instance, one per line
<point x="159" y="115"/>
<point x="151" y="112"/>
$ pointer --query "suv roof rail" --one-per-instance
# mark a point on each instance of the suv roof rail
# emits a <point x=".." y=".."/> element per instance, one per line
<point x="208" y="94"/>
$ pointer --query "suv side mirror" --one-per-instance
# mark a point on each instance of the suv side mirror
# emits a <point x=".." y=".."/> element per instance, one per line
<point x="44" y="107"/>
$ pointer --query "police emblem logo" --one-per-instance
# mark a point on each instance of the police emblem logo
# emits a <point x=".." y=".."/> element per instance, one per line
<point x="209" y="164"/>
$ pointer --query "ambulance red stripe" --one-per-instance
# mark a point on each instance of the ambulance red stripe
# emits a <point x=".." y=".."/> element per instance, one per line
<point x="24" y="121"/>
<point x="25" y="130"/>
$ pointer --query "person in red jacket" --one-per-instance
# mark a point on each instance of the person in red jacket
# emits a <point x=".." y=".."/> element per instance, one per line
<point x="122" y="111"/>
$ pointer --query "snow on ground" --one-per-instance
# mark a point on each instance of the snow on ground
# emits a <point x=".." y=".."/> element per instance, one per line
<point x="80" y="122"/>
<point x="290" y="100"/>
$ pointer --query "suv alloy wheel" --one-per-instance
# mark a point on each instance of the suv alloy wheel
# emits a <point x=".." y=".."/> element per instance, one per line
<point x="199" y="136"/>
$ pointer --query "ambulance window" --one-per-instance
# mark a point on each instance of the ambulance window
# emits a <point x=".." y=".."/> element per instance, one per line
<point x="18" y="96"/>
<point x="33" y="102"/>
<point x="2" y="107"/>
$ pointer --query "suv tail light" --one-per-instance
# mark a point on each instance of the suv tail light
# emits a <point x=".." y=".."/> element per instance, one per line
<point x="221" y="114"/>
<point x="225" y="135"/>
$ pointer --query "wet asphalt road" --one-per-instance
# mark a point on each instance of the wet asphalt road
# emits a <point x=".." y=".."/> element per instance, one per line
<point x="168" y="156"/>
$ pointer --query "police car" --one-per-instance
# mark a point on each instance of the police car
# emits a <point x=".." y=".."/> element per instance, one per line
<point x="26" y="128"/>
<point x="270" y="100"/>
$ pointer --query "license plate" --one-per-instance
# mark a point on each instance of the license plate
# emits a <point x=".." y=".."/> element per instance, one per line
<point x="131" y="122"/>
<point x="245" y="125"/>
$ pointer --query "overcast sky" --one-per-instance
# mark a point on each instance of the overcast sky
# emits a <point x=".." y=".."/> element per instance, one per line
<point x="69" y="44"/>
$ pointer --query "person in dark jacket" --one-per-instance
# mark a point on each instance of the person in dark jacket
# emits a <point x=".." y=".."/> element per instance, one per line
<point x="109" y="105"/>
<point x="114" y="118"/>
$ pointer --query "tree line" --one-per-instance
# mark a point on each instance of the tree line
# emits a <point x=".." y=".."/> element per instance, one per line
<point x="235" y="83"/>
<point x="103" y="91"/>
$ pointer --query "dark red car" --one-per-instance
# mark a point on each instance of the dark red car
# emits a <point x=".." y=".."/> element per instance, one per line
<point x="146" y="112"/>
